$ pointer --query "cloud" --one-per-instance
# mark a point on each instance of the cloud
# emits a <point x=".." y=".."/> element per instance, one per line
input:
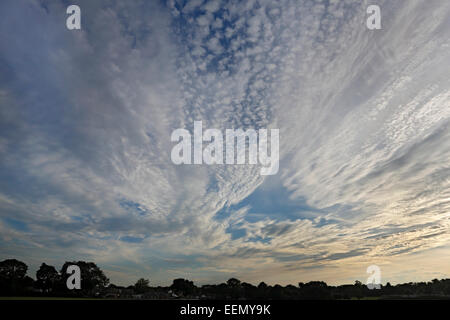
<point x="86" y="118"/>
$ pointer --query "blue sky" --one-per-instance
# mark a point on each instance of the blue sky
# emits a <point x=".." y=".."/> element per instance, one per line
<point x="86" y="118"/>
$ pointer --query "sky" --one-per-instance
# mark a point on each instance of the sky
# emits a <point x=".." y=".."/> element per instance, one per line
<point x="86" y="118"/>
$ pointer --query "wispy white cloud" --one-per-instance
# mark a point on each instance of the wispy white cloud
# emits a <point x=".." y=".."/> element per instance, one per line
<point x="86" y="119"/>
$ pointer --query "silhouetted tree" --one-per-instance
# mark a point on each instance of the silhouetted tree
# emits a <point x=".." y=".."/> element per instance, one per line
<point x="183" y="286"/>
<point x="13" y="277"/>
<point x="233" y="282"/>
<point x="314" y="290"/>
<point x="276" y="292"/>
<point x="142" y="286"/>
<point x="14" y="281"/>
<point x="262" y="290"/>
<point x="262" y="285"/>
<point x="47" y="278"/>
<point x="235" y="290"/>
<point x="13" y="269"/>
<point x="93" y="280"/>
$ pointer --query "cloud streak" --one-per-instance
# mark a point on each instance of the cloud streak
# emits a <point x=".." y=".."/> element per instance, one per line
<point x="86" y="118"/>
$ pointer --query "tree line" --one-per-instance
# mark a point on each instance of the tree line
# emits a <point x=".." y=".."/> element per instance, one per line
<point x="50" y="282"/>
